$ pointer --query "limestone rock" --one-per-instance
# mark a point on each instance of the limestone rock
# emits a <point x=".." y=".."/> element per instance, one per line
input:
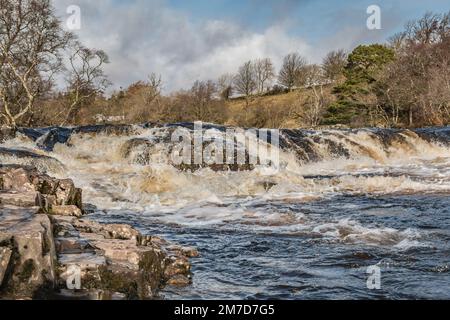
<point x="39" y="252"/>
<point x="5" y="256"/>
<point x="30" y="239"/>
<point x="22" y="199"/>
<point x="51" y="192"/>
<point x="179" y="280"/>
<point x="67" y="210"/>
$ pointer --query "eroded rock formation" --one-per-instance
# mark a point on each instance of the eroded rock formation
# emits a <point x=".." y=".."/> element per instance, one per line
<point x="46" y="243"/>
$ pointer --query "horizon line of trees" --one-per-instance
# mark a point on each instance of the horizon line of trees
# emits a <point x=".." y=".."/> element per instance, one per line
<point x="405" y="82"/>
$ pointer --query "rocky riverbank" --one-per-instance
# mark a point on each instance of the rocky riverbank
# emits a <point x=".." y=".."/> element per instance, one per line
<point x="50" y="249"/>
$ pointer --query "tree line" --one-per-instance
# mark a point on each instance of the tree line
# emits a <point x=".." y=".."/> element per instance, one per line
<point x="404" y="82"/>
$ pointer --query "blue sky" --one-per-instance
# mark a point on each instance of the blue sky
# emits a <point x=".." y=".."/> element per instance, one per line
<point x="184" y="40"/>
<point x="306" y="18"/>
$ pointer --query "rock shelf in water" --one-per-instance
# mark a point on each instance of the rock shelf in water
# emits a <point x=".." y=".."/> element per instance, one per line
<point x="44" y="236"/>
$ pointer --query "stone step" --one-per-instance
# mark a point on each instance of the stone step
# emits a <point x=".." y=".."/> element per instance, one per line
<point x="23" y="199"/>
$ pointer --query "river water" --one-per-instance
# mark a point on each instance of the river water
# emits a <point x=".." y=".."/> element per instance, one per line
<point x="342" y="202"/>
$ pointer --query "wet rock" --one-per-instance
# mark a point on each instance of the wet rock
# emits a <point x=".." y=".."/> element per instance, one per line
<point x="107" y="129"/>
<point x="267" y="185"/>
<point x="47" y="138"/>
<point x="138" y="150"/>
<point x="56" y="135"/>
<point x="29" y="158"/>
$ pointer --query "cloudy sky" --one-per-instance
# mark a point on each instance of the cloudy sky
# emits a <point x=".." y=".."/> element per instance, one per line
<point x="185" y="40"/>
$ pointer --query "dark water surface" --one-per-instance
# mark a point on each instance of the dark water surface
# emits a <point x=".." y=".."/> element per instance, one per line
<point x="237" y="262"/>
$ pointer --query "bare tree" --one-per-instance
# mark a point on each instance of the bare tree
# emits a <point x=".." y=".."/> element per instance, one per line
<point x="291" y="69"/>
<point x="225" y="86"/>
<point x="154" y="87"/>
<point x="333" y="65"/>
<point x="245" y="82"/>
<point x="313" y="75"/>
<point x="86" y="79"/>
<point x="31" y="39"/>
<point x="432" y="28"/>
<point x="413" y="89"/>
<point x="201" y="98"/>
<point x="316" y="100"/>
<point x="264" y="73"/>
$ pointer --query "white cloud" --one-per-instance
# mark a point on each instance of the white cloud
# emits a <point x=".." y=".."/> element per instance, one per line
<point x="147" y="36"/>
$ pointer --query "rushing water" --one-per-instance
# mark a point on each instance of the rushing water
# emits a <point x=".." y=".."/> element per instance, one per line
<point x="341" y="201"/>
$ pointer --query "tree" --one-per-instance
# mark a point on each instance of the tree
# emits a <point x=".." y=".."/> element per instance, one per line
<point x="357" y="94"/>
<point x="264" y="73"/>
<point x="154" y="87"/>
<point x="86" y="78"/>
<point x="291" y="70"/>
<point x="245" y="81"/>
<point x="314" y="100"/>
<point x="31" y="39"/>
<point x="225" y="86"/>
<point x="333" y="65"/>
<point x="312" y="76"/>
<point x="414" y="89"/>
<point x="431" y="28"/>
<point x="314" y="106"/>
<point x="365" y="61"/>
<point x="201" y="99"/>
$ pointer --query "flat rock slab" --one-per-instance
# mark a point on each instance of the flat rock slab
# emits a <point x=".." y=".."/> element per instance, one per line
<point x="23" y="199"/>
<point x="85" y="261"/>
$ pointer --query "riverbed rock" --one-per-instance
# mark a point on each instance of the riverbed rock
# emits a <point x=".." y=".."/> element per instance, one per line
<point x="24" y="199"/>
<point x="45" y="242"/>
<point x="66" y="210"/>
<point x="11" y="156"/>
<point x="29" y="237"/>
<point x="25" y="181"/>
<point x="110" y="257"/>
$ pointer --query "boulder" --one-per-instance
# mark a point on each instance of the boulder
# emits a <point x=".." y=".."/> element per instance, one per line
<point x="29" y="158"/>
<point x="51" y="191"/>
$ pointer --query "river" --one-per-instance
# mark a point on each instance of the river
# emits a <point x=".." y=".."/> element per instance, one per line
<point x="341" y="203"/>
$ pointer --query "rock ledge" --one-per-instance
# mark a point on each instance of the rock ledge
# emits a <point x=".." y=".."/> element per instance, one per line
<point x="49" y="250"/>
